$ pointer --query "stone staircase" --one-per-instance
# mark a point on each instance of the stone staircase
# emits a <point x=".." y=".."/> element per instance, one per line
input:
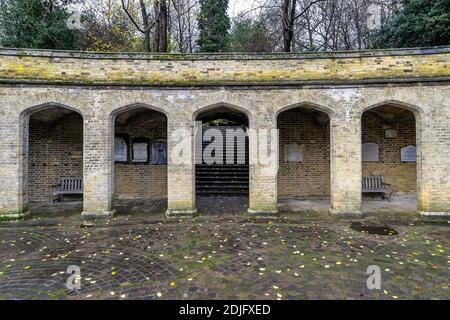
<point x="223" y="179"/>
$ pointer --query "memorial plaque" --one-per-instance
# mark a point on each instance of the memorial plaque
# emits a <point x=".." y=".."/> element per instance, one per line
<point x="140" y="152"/>
<point x="409" y="154"/>
<point x="159" y="153"/>
<point x="293" y="153"/>
<point x="370" y="152"/>
<point x="390" y="133"/>
<point x="120" y="150"/>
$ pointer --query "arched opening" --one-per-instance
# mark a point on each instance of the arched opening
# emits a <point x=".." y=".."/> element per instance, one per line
<point x="389" y="159"/>
<point x="140" y="160"/>
<point x="304" y="159"/>
<point x="53" y="153"/>
<point x="222" y="162"/>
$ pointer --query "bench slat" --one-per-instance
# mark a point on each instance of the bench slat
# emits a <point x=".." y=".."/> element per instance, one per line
<point x="70" y="184"/>
<point x="375" y="185"/>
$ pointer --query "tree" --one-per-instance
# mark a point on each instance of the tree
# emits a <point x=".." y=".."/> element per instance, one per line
<point x="421" y="23"/>
<point x="289" y="15"/>
<point x="214" y="25"/>
<point x="322" y="25"/>
<point x="183" y="20"/>
<point x="250" y="35"/>
<point x="154" y="18"/>
<point x="106" y="27"/>
<point x="36" y="24"/>
<point x="162" y="25"/>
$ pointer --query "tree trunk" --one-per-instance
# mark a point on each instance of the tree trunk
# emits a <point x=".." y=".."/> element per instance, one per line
<point x="157" y="35"/>
<point x="288" y="23"/>
<point x="358" y="26"/>
<point x="164" y="26"/>
<point x="161" y="44"/>
<point x="146" y="27"/>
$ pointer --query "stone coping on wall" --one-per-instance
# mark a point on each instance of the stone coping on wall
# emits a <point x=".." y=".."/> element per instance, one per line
<point x="21" y="66"/>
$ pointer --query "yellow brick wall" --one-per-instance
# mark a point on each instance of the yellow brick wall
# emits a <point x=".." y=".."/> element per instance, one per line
<point x="187" y="70"/>
<point x="345" y="84"/>
<point x="312" y="176"/>
<point x="142" y="181"/>
<point x="402" y="176"/>
<point x="55" y="151"/>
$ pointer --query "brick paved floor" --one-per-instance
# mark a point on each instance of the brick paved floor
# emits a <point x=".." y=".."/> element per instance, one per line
<point x="142" y="256"/>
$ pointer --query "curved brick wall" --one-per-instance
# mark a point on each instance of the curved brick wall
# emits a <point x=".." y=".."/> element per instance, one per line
<point x="344" y="85"/>
<point x="223" y="69"/>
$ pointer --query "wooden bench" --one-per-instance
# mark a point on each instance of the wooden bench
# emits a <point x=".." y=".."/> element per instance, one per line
<point x="376" y="185"/>
<point x="67" y="186"/>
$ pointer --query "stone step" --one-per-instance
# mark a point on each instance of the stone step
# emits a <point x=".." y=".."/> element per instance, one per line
<point x="222" y="189"/>
<point x="222" y="167"/>
<point x="222" y="193"/>
<point x="223" y="179"/>
<point x="224" y="156"/>
<point x="220" y="173"/>
<point x="212" y="171"/>
<point x="215" y="171"/>
<point x="222" y="176"/>
<point x="216" y="188"/>
<point x="242" y="182"/>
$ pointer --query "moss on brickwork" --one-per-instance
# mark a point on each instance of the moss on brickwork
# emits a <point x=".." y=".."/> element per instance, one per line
<point x="179" y="70"/>
<point x="18" y="216"/>
<point x="345" y="105"/>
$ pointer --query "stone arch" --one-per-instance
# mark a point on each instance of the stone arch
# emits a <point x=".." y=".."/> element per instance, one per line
<point x="125" y="171"/>
<point x="325" y="109"/>
<point x="216" y="178"/>
<point x="314" y="156"/>
<point x="49" y="99"/>
<point x="136" y="105"/>
<point x="375" y="101"/>
<point x="24" y="131"/>
<point x="26" y="113"/>
<point x="226" y="105"/>
<point x="240" y="102"/>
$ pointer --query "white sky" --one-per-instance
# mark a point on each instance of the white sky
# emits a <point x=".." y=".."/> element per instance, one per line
<point x="236" y="6"/>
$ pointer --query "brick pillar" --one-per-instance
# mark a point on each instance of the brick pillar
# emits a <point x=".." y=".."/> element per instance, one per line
<point x="433" y="165"/>
<point x="97" y="167"/>
<point x="180" y="166"/>
<point x="346" y="166"/>
<point x="263" y="140"/>
<point x="13" y="166"/>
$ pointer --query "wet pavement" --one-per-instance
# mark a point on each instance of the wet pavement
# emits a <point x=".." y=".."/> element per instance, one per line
<point x="222" y="256"/>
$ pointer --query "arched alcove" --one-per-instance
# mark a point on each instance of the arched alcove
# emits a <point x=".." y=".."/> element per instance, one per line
<point x="222" y="162"/>
<point x="391" y="127"/>
<point x="304" y="156"/>
<point x="140" y="158"/>
<point x="53" y="157"/>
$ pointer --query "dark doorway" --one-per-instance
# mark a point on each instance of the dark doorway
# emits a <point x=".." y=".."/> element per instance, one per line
<point x="222" y="161"/>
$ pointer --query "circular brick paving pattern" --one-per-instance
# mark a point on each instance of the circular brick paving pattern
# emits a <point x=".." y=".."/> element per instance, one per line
<point x="142" y="256"/>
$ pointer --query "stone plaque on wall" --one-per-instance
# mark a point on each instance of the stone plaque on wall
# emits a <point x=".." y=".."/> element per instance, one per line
<point x="409" y="154"/>
<point x="120" y="150"/>
<point x="159" y="153"/>
<point x="370" y="152"/>
<point x="390" y="133"/>
<point x="293" y="153"/>
<point x="140" y="152"/>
